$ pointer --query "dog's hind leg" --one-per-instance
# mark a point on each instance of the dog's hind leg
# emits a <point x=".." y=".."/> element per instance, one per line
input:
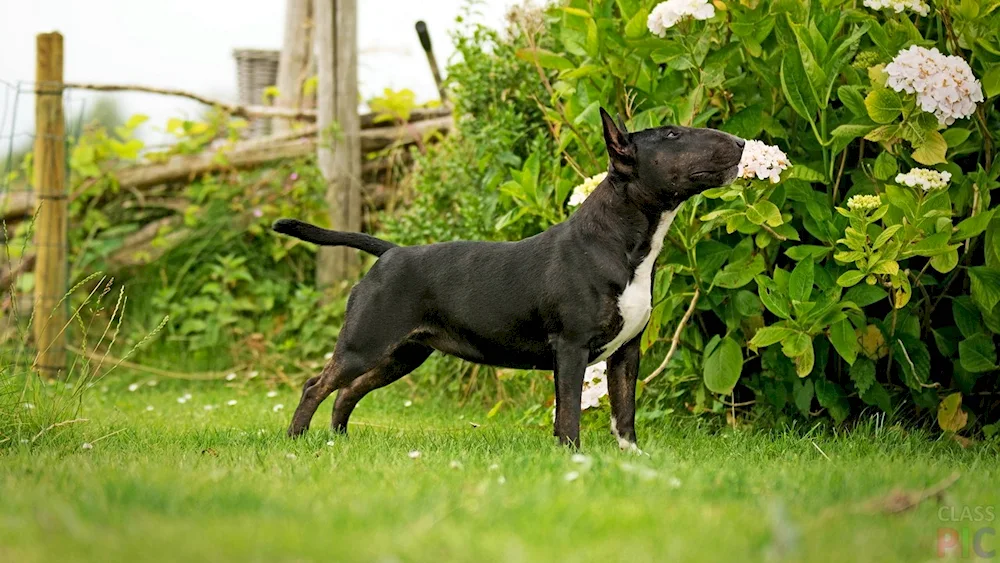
<point x="571" y="363"/>
<point x="402" y="361"/>
<point x="622" y="373"/>
<point x="339" y="371"/>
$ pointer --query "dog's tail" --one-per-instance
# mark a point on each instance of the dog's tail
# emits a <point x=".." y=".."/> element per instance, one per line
<point x="326" y="237"/>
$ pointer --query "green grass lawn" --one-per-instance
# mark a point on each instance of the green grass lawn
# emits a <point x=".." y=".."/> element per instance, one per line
<point x="170" y="481"/>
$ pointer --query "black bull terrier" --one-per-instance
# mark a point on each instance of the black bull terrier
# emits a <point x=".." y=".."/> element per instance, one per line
<point x="576" y="294"/>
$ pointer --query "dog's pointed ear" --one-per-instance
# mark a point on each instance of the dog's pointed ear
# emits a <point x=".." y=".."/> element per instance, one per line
<point x="621" y="122"/>
<point x="620" y="147"/>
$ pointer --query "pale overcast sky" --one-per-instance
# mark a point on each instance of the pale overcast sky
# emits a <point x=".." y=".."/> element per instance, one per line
<point x="188" y="44"/>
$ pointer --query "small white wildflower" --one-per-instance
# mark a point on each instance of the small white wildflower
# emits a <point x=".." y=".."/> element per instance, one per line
<point x="87" y="446"/>
<point x="666" y="14"/>
<point x="494" y="467"/>
<point x="277" y="407"/>
<point x="152" y="382"/>
<point x="581" y="459"/>
<point x="414" y="454"/>
<point x="252" y="374"/>
<point x="272" y="394"/>
<point x="187" y="396"/>
<point x="230" y="377"/>
<point x="330" y="442"/>
<point x="231" y="402"/>
<point x="328" y="356"/>
<point x="291" y="456"/>
<point x="572" y="476"/>
<point x="898" y="6"/>
<point x="133" y="387"/>
<point x="864" y="202"/>
<point x="944" y="85"/>
<point x="408" y="403"/>
<point x="182" y="400"/>
<point x="28" y="406"/>
<point x="455" y="464"/>
<point x="208" y="407"/>
<point x="674" y="483"/>
<point x="25" y="440"/>
<point x="149" y="408"/>
<point x="644" y="473"/>
<point x="588" y="186"/>
<point x="924" y="179"/>
<point x="501" y="480"/>
<point x="763" y="161"/>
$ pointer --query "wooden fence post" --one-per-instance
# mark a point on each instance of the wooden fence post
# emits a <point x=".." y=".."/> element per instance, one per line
<point x="50" y="186"/>
<point x="339" y="147"/>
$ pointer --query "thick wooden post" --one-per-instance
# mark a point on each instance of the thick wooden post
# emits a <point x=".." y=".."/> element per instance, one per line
<point x="50" y="187"/>
<point x="292" y="66"/>
<point x="339" y="152"/>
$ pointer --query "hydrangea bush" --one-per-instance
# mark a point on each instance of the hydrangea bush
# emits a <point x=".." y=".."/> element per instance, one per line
<point x="854" y="267"/>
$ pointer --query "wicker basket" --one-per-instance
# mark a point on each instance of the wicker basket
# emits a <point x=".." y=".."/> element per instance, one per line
<point x="256" y="70"/>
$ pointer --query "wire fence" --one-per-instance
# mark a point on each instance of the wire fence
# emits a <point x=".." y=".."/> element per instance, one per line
<point x="19" y="245"/>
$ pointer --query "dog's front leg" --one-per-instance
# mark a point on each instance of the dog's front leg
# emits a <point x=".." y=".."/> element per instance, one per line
<point x="571" y="363"/>
<point x="622" y="373"/>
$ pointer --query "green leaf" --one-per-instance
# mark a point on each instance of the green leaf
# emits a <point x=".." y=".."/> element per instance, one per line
<point x="885" y="236"/>
<point x="795" y="344"/>
<point x="865" y="295"/>
<point x="496" y="408"/>
<point x="747" y="304"/>
<point x="804" y="362"/>
<point x="636" y="26"/>
<point x="932" y="150"/>
<point x="885" y="166"/>
<point x="951" y="417"/>
<point x="972" y="226"/>
<point x="852" y="131"/>
<point x="977" y="354"/>
<point x="746" y="123"/>
<point x="737" y="275"/>
<point x="883" y="105"/>
<point x="863" y="374"/>
<point x="804" y="251"/>
<point x="723" y="367"/>
<point x="803" y="172"/>
<point x="938" y="243"/>
<point x="772" y="297"/>
<point x="844" y="340"/>
<point x="764" y="212"/>
<point x="877" y="396"/>
<point x="804" y="396"/>
<point x="967" y="317"/>
<point x="946" y="262"/>
<point x="795" y="85"/>
<point x="850" y="278"/>
<point x="770" y="335"/>
<point x="800" y="283"/>
<point x="956" y="136"/>
<point x="991" y="81"/>
<point x="851" y="97"/>
<point x="985" y="286"/>
<point x="832" y="397"/>
<point x="545" y="58"/>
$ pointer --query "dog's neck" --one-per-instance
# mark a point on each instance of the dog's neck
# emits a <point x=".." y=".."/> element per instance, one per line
<point x="625" y="214"/>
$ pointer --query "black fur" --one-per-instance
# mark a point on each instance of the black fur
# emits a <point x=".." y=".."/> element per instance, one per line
<point x="546" y="302"/>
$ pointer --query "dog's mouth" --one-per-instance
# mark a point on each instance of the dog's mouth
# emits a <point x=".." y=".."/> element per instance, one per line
<point x="725" y="171"/>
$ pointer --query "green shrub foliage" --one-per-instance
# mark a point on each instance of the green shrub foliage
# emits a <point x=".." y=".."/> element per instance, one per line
<point x="866" y="278"/>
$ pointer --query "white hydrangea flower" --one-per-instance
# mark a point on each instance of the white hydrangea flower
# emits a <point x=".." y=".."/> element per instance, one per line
<point x="899" y="6"/>
<point x="763" y="161"/>
<point x="864" y="202"/>
<point x="924" y="179"/>
<point x="588" y="186"/>
<point x="944" y="85"/>
<point x="595" y="385"/>
<point x="666" y="14"/>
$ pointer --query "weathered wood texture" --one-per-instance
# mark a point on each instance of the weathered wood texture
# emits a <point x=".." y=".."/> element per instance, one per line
<point x="339" y="149"/>
<point x="294" y="62"/>
<point x="50" y="187"/>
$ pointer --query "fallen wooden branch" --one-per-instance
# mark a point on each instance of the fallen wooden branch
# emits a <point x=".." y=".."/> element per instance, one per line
<point x="250" y="154"/>
<point x="16" y="205"/>
<point x="138" y="248"/>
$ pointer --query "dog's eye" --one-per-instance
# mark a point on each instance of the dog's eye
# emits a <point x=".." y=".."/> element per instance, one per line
<point x="671" y="134"/>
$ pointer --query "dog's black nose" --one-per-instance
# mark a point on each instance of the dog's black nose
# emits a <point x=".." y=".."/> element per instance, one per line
<point x="740" y="142"/>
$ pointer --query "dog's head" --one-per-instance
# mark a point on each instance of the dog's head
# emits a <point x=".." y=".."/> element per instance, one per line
<point x="672" y="163"/>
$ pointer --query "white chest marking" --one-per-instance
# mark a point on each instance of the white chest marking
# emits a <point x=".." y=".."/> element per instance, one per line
<point x="636" y="302"/>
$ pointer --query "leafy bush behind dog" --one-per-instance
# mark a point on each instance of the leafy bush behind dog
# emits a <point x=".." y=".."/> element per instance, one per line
<point x="808" y="307"/>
